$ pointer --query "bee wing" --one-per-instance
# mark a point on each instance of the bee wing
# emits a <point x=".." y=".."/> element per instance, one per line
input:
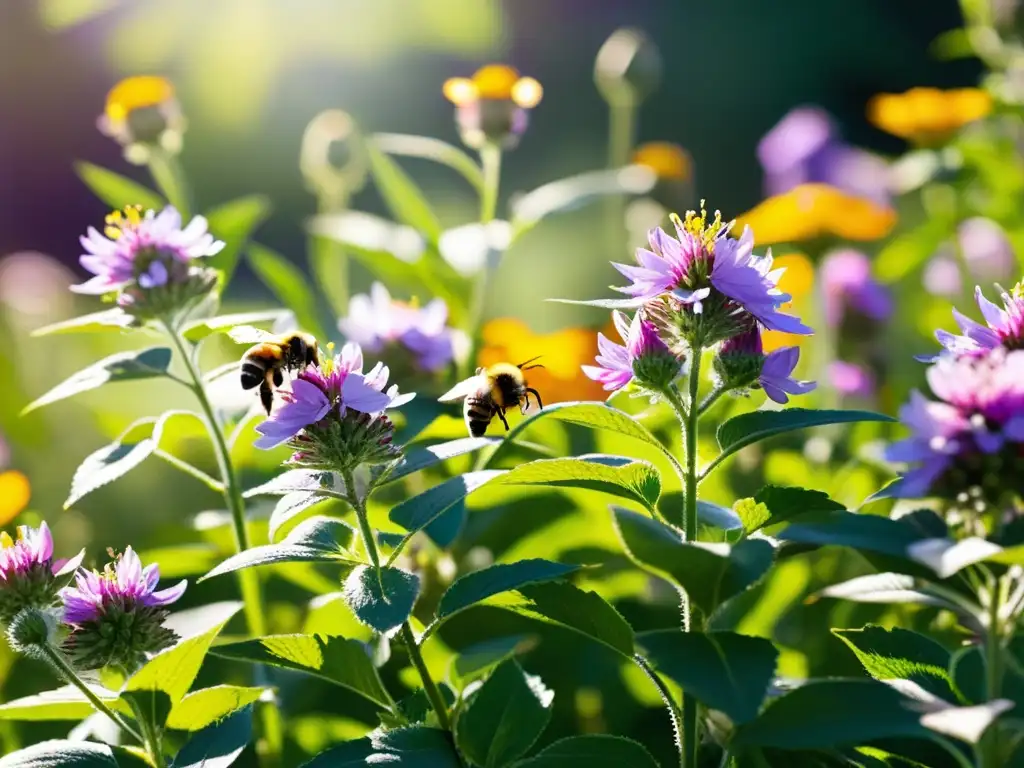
<point x="462" y="390"/>
<point x="247" y="334"/>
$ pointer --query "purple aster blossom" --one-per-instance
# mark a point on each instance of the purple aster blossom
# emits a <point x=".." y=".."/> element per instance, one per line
<point x="851" y="380"/>
<point x="123" y="586"/>
<point x="932" y="446"/>
<point x="776" y="377"/>
<point x="33" y="547"/>
<point x="145" y="249"/>
<point x="376" y="320"/>
<point x="1004" y="326"/>
<point x="645" y="356"/>
<point x="741" y="363"/>
<point x="848" y="284"/>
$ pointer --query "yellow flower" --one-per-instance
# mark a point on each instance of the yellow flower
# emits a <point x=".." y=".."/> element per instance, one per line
<point x="15" y="492"/>
<point x="928" y="115"/>
<point x="142" y="112"/>
<point x="561" y="353"/>
<point x="498" y="82"/>
<point x="135" y="93"/>
<point x="809" y="211"/>
<point x="667" y="160"/>
<point x="798" y="282"/>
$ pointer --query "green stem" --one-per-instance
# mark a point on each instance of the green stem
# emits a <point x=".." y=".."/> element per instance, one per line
<point x="150" y="735"/>
<point x="990" y="757"/>
<point x="490" y="160"/>
<point x="621" y="138"/>
<point x="64" y="669"/>
<point x="432" y="691"/>
<point x="166" y="171"/>
<point x="673" y="711"/>
<point x="690" y="707"/>
<point x="369" y="543"/>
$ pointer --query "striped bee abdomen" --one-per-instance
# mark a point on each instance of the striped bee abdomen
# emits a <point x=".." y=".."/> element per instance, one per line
<point x="252" y="374"/>
<point x="478" y="412"/>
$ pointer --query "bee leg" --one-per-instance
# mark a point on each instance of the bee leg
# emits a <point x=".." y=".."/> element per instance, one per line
<point x="536" y="394"/>
<point x="501" y="415"/>
<point x="266" y="396"/>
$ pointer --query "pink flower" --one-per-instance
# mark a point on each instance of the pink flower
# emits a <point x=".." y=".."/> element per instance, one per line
<point x="644" y="357"/>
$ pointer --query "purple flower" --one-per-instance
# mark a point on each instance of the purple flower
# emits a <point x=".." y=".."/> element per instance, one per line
<point x="645" y="356"/>
<point x="741" y="363"/>
<point x="1004" y="326"/>
<point x="932" y="446"/>
<point x="376" y="320"/>
<point x="123" y="586"/>
<point x="34" y="546"/>
<point x="148" y="249"/>
<point x="777" y="375"/>
<point x="847" y="280"/>
<point x="851" y="380"/>
<point x="705" y="259"/>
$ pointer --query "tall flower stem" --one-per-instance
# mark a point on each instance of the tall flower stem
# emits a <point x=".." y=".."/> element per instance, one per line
<point x="621" y="138"/>
<point x="432" y="691"/>
<point x="362" y="517"/>
<point x="990" y="751"/>
<point x="690" y="706"/>
<point x="150" y="735"/>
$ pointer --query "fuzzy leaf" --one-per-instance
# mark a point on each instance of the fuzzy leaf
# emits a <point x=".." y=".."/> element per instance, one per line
<point x="416" y="747"/>
<point x="504" y="717"/>
<point x="418" y="459"/>
<point x="199" y="329"/>
<point x="234" y="222"/>
<point x="301" y="480"/>
<point x="218" y="745"/>
<point x="381" y="604"/>
<point x="123" y="366"/>
<point x="115" y="190"/>
<point x="495" y="579"/>
<point x="113" y="461"/>
<point x="592" y="751"/>
<point x="206" y="706"/>
<point x="775" y="504"/>
<point x="418" y="512"/>
<point x="288" y="284"/>
<point x="72" y="754"/>
<point x="723" y="670"/>
<point x="401" y="195"/>
<point x="108" y="320"/>
<point x="474" y="661"/>
<point x="344" y="662"/>
<point x="710" y="573"/>
<point x="289" y="507"/>
<point x="316" y="540"/>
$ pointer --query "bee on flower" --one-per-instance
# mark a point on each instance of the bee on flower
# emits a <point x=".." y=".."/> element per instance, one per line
<point x="492" y="106"/>
<point x="143" y="115"/>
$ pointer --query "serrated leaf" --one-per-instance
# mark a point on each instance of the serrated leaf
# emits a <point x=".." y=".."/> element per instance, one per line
<point x="776" y="504"/>
<point x="200" y="329"/>
<point x="418" y="512"/>
<point x="474" y="661"/>
<point x="206" y="706"/>
<point x="123" y="366"/>
<point x="479" y="585"/>
<point x="619" y="476"/>
<point x="418" y="459"/>
<point x="344" y="662"/>
<point x="288" y="284"/>
<point x="710" y="573"/>
<point x="289" y="507"/>
<point x="234" y="222"/>
<point x="108" y="320"/>
<point x="832" y="713"/>
<point x="115" y="190"/>
<point x="593" y="415"/>
<point x="504" y="717"/>
<point x="64" y="703"/>
<point x="113" y="461"/>
<point x="219" y="745"/>
<point x="592" y="751"/>
<point x="316" y="540"/>
<point x="416" y="747"/>
<point x="749" y="428"/>
<point x="429" y="148"/>
<point x="401" y="195"/>
<point x="72" y="754"/>
<point x="326" y="484"/>
<point x="384" y="603"/>
<point x="723" y="670"/>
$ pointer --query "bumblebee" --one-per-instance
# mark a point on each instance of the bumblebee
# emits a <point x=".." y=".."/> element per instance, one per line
<point x="492" y="391"/>
<point x="264" y="364"/>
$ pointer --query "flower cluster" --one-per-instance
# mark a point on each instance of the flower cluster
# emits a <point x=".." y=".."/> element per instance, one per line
<point x="966" y="447"/>
<point x="332" y="415"/>
<point x="378" y="323"/>
<point x="149" y="262"/>
<point x="700" y="289"/>
<point x="26" y="571"/>
<point x="116" y="616"/>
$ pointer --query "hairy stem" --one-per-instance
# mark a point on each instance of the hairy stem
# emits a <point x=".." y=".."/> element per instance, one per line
<point x="690" y="706"/>
<point x="432" y="691"/>
<point x="150" y="735"/>
<point x="369" y="543"/>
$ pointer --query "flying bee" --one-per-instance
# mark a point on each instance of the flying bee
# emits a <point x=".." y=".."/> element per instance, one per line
<point x="492" y="391"/>
<point x="264" y="364"/>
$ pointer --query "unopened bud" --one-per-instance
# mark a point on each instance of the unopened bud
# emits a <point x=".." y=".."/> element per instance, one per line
<point x="628" y="67"/>
<point x="30" y="629"/>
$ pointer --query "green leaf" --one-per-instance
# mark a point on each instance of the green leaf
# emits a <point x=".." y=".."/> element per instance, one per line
<point x="344" y="662"/>
<point x="165" y="679"/>
<point x="857" y="531"/>
<point x="710" y="573"/>
<point x="206" y="706"/>
<point x="479" y="585"/>
<point x="504" y="717"/>
<point x="474" y="661"/>
<point x="723" y="670"/>
<point x="72" y="754"/>
<point x="967" y="724"/>
<point x="418" y="512"/>
<point x="113" y="461"/>
<point x="123" y="366"/>
<point x="592" y="751"/>
<point x="384" y="603"/>
<point x="316" y="540"/>
<point x="115" y="190"/>
<point x="401" y="195"/>
<point x="219" y="745"/>
<point x="64" y="703"/>
<point x="899" y="654"/>
<point x="947" y="557"/>
<point x="418" y="459"/>
<point x="199" y="329"/>
<point x="289" y="507"/>
<point x="749" y="428"/>
<point x="562" y="604"/>
<point x="832" y="713"/>
<point x="776" y="504"/>
<point x="619" y="476"/>
<point x="416" y="747"/>
<point x="326" y="484"/>
<point x="288" y="284"/>
<point x="885" y="588"/>
<point x="234" y="222"/>
<point x="108" y="320"/>
<point x="592" y="415"/>
<point x="715" y="515"/>
<point x="429" y="148"/>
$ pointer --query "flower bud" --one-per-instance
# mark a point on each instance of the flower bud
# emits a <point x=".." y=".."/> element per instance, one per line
<point x="628" y="68"/>
<point x="655" y="367"/>
<point x="30" y="629"/>
<point x="26" y="571"/>
<point x="333" y="159"/>
<point x="142" y="114"/>
<point x="739" y="360"/>
<point x="492" y="106"/>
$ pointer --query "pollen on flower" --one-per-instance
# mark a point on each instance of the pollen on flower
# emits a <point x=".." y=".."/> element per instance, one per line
<point x="700" y="228"/>
<point x="117" y="222"/>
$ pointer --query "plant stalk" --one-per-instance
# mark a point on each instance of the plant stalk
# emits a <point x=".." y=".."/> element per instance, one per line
<point x="691" y="712"/>
<point x="433" y="692"/>
<point x="150" y="736"/>
<point x="990" y="751"/>
<point x="369" y="543"/>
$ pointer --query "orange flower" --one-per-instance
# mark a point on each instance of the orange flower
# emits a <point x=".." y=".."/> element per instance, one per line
<point x="136" y="93"/>
<point x="798" y="282"/>
<point x="928" y="115"/>
<point x="498" y="82"/>
<point x="510" y="340"/>
<point x="809" y="211"/>
<point x="15" y="493"/>
<point x="667" y="160"/>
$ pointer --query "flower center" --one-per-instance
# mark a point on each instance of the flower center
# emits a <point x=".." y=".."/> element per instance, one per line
<point x="118" y="222"/>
